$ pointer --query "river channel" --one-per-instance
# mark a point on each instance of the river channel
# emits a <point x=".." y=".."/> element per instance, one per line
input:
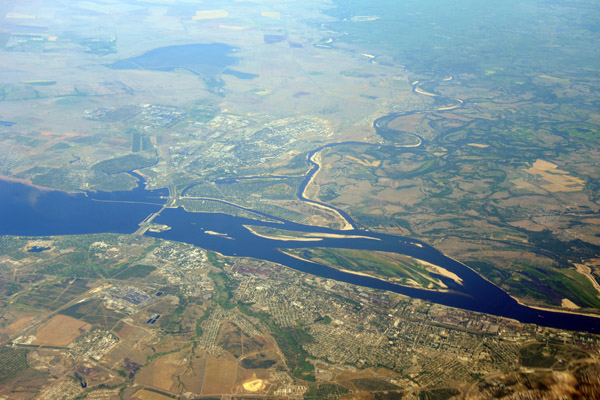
<point x="30" y="211"/>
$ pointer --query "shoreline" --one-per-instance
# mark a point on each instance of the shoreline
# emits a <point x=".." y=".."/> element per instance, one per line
<point x="558" y="310"/>
<point x="311" y="237"/>
<point x="29" y="183"/>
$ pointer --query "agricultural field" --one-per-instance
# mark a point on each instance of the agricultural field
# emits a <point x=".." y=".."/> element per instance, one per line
<point x="52" y="296"/>
<point x="60" y="331"/>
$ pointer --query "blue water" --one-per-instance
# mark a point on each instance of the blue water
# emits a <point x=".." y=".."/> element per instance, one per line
<point x="37" y="249"/>
<point x="239" y="74"/>
<point x="29" y="211"/>
<point x="475" y="294"/>
<point x="201" y="59"/>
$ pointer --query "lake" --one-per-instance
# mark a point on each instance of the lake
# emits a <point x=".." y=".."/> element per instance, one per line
<point x="201" y="59"/>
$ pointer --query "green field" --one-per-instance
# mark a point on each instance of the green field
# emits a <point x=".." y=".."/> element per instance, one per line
<point x="51" y="296"/>
<point x="14" y="361"/>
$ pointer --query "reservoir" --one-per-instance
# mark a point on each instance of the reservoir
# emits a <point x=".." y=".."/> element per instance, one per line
<point x="28" y="211"/>
<point x="205" y="59"/>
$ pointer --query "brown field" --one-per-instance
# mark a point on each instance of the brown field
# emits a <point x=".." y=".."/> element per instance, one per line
<point x="523" y="185"/>
<point x="161" y="371"/>
<point x="133" y="346"/>
<point x="231" y="339"/>
<point x="558" y="180"/>
<point x="366" y="163"/>
<point x="453" y="116"/>
<point x="566" y="303"/>
<point x="406" y="123"/>
<point x="60" y="331"/>
<point x="125" y="330"/>
<point x="529" y="225"/>
<point x="64" y="135"/>
<point x="194" y="376"/>
<point x="220" y="376"/>
<point x="595" y="221"/>
<point x="18" y="325"/>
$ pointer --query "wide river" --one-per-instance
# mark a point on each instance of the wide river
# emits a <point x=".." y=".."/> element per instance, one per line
<point x="29" y="211"/>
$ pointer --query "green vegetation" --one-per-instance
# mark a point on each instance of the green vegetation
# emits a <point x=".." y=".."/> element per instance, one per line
<point x="387" y="265"/>
<point x="194" y="205"/>
<point x="79" y="264"/>
<point x="571" y="250"/>
<point x="438" y="394"/>
<point x="222" y="290"/>
<point x="244" y="192"/>
<point x="174" y="322"/>
<point x="253" y="363"/>
<point x="325" y="391"/>
<point x="290" y="342"/>
<point x="269" y="231"/>
<point x="549" y="355"/>
<point x="356" y="74"/>
<point x="94" y="312"/>
<point x="543" y="283"/>
<point x="99" y="46"/>
<point x="214" y="260"/>
<point x="53" y="295"/>
<point x="199" y="321"/>
<point x="203" y="114"/>
<point x="125" y="163"/>
<point x="14" y="361"/>
<point x="59" y="178"/>
<point x="10" y="288"/>
<point x="163" y="353"/>
<point x="135" y="271"/>
<point x="326" y="320"/>
<point x="111" y="182"/>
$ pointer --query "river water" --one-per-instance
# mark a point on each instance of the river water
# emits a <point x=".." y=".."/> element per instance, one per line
<point x="29" y="211"/>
